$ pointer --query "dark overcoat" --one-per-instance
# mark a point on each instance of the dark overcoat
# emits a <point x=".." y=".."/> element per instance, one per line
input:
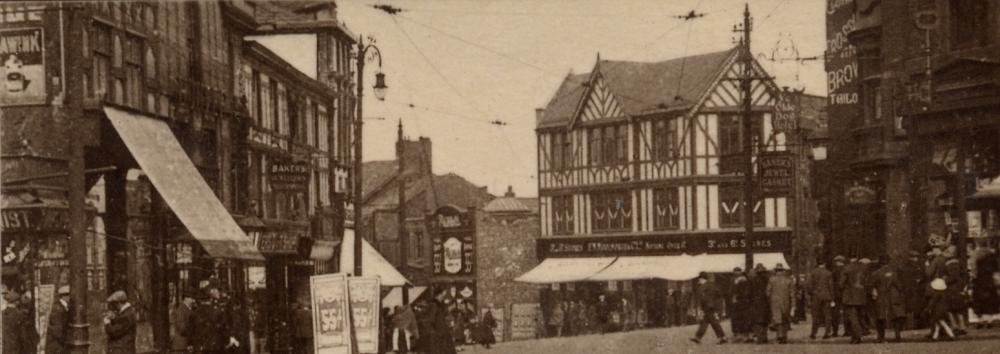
<point x="57" y="334"/>
<point x="211" y="327"/>
<point x="985" y="300"/>
<point x="889" y="301"/>
<point x="760" y="304"/>
<point x="121" y="331"/>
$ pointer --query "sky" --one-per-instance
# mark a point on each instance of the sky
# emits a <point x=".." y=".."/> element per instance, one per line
<point x="454" y="66"/>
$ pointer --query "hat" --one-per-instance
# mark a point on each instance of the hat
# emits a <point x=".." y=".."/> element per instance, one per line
<point x="779" y="267"/>
<point x="865" y="261"/>
<point x="118" y="296"/>
<point x="737" y="270"/>
<point x="63" y="290"/>
<point x="11" y="296"/>
<point x="938" y="284"/>
<point x="838" y="259"/>
<point x="703" y="275"/>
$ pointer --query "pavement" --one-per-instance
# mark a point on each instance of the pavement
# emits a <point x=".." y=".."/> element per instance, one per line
<point x="675" y="340"/>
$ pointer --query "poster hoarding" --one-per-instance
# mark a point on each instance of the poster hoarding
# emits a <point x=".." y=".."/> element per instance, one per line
<point x="364" y="294"/>
<point x="331" y="330"/>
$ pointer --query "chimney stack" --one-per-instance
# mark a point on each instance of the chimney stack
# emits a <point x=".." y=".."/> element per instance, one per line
<point x="510" y="192"/>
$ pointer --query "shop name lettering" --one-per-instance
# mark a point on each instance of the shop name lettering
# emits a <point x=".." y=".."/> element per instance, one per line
<point x="15" y="219"/>
<point x="737" y="244"/>
<point x="449" y="221"/>
<point x="24" y="43"/>
<point x="268" y="139"/>
<point x="618" y="246"/>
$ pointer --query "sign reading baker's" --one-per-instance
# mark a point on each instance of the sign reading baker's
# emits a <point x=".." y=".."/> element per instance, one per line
<point x="727" y="242"/>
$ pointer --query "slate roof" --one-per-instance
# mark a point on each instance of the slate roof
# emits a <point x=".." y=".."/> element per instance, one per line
<point x="640" y="87"/>
<point x="506" y="205"/>
<point x="375" y="174"/>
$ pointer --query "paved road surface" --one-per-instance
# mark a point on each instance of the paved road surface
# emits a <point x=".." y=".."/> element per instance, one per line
<point x="675" y="340"/>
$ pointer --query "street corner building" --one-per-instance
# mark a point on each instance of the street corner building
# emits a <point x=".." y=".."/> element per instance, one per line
<point x="640" y="172"/>
<point x="204" y="155"/>
<point x="914" y="126"/>
<point x="445" y="233"/>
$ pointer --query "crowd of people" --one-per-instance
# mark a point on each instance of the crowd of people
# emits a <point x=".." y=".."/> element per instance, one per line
<point x="933" y="292"/>
<point x="433" y="327"/>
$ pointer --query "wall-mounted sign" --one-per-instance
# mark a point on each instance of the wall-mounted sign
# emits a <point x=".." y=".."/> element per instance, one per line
<point x="291" y="176"/>
<point x="34" y="220"/>
<point x="524" y="320"/>
<point x="452" y="255"/>
<point x="22" y="54"/>
<point x="278" y="243"/>
<point x="268" y="139"/>
<point x="453" y="247"/>
<point x="777" y="174"/>
<point x="860" y="195"/>
<point x="784" y="114"/>
<point x="448" y="218"/>
<point x="658" y="245"/>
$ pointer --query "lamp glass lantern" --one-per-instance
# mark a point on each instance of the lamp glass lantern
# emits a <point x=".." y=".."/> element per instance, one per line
<point x="380" y="86"/>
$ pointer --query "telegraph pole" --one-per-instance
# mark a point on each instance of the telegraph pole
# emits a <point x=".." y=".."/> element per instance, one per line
<point x="745" y="86"/>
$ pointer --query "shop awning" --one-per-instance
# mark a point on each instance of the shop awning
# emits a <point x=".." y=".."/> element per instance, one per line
<point x="395" y="296"/>
<point x="372" y="263"/>
<point x="562" y="270"/>
<point x="724" y="263"/>
<point x="175" y="177"/>
<point x="681" y="267"/>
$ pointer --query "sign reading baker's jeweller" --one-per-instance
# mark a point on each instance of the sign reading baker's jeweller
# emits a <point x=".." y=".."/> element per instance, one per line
<point x="292" y="177"/>
<point x="22" y="56"/>
<point x="452" y="239"/>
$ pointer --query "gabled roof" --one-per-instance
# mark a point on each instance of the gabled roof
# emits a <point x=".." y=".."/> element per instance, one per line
<point x="376" y="174"/>
<point x="640" y="87"/>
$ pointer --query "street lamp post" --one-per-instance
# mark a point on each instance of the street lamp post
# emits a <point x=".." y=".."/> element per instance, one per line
<point x="379" y="89"/>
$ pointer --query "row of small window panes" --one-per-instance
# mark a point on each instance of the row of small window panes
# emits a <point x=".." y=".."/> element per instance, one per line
<point x="135" y="13"/>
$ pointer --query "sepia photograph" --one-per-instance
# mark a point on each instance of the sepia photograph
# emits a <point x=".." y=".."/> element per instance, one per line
<point x="499" y="176"/>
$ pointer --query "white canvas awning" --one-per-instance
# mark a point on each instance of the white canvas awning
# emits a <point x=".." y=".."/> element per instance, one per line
<point x="724" y="263"/>
<point x="681" y="267"/>
<point x="373" y="264"/>
<point x="161" y="157"/>
<point x="562" y="270"/>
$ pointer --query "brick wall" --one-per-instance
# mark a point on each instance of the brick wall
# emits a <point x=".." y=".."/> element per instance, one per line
<point x="505" y="249"/>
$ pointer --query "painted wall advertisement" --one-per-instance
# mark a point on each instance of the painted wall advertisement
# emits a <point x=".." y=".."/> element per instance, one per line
<point x="22" y="55"/>
<point x="453" y="245"/>
<point x="365" y="296"/>
<point x="841" y="56"/>
<point x="331" y="331"/>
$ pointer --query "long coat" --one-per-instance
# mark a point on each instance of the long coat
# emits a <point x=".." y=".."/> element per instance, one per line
<point x="760" y="305"/>
<point x="889" y="300"/>
<point x="57" y="334"/>
<point x="985" y="300"/>
<point x="779" y="295"/>
<point x="913" y="280"/>
<point x="435" y="334"/>
<point x="15" y="338"/>
<point x="854" y="285"/>
<point x="820" y="285"/>
<point x="180" y="327"/>
<point x="740" y="300"/>
<point x="121" y="331"/>
<point x="211" y="327"/>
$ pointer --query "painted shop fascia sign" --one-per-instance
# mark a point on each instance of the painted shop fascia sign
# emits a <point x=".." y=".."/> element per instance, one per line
<point x="278" y="243"/>
<point x="661" y="245"/>
<point x="34" y="220"/>
<point x="293" y="176"/>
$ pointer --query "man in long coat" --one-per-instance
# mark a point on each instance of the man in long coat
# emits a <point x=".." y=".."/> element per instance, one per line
<point x="212" y="328"/>
<point x="180" y="324"/>
<point x="837" y="307"/>
<point x="820" y="288"/>
<point x="760" y="313"/>
<point x="855" y="296"/>
<point x="780" y="292"/>
<point x="740" y="306"/>
<point x="16" y="324"/>
<point x="120" y="324"/>
<point x="914" y="282"/>
<point x="436" y="337"/>
<point x="890" y="308"/>
<point x="57" y="334"/>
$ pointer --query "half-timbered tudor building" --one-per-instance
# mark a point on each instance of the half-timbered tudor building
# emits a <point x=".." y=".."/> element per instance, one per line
<point x="638" y="172"/>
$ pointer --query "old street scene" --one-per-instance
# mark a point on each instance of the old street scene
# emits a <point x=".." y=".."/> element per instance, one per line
<point x="504" y="176"/>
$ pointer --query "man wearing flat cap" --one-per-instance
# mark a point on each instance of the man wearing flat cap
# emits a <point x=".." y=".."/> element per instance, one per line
<point x="708" y="297"/>
<point x="855" y="297"/>
<point x="57" y="334"/>
<point x="837" y="307"/>
<point x="212" y="329"/>
<point x="914" y="283"/>
<point x="119" y="324"/>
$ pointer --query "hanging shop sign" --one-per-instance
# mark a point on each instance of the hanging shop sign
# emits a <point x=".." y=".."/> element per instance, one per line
<point x="660" y="245"/>
<point x="290" y="176"/>
<point x="256" y="278"/>
<point x="365" y="294"/>
<point x="14" y="251"/>
<point x="44" y="300"/>
<point x="22" y="54"/>
<point x="784" y="114"/>
<point x="331" y="329"/>
<point x="274" y="242"/>
<point x="777" y="172"/>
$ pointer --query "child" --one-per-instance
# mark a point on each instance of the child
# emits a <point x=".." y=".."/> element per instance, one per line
<point x="938" y="308"/>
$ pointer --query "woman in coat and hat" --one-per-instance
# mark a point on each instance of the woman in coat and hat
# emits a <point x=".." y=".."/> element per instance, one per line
<point x="119" y="324"/>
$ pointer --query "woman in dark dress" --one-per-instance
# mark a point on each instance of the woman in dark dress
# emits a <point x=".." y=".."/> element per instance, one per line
<point x="483" y="333"/>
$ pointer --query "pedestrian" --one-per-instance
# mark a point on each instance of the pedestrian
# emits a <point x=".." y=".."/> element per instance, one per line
<point x="403" y="323"/>
<point x="985" y="299"/>
<point x="212" y="328"/>
<point x="569" y="318"/>
<point x="740" y="313"/>
<point x="460" y="322"/>
<point x="890" y="304"/>
<point x="119" y="324"/>
<point x="603" y="311"/>
<point x="820" y="289"/>
<point x="29" y="330"/>
<point x="912" y="279"/>
<point x="180" y="323"/>
<point x="760" y="305"/>
<point x="437" y="337"/>
<point x="937" y="309"/>
<point x="484" y="332"/>
<point x="780" y="295"/>
<point x="955" y="279"/>
<point x="302" y="327"/>
<point x="800" y="299"/>
<point x="855" y="296"/>
<point x="709" y="299"/>
<point x="16" y="339"/>
<point x="670" y="311"/>
<point x="837" y="307"/>
<point x="57" y="334"/>
<point x="582" y="318"/>
<point x="556" y="318"/>
<point x="628" y="315"/>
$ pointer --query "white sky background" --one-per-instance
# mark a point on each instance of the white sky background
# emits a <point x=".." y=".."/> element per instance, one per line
<point x="464" y="63"/>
